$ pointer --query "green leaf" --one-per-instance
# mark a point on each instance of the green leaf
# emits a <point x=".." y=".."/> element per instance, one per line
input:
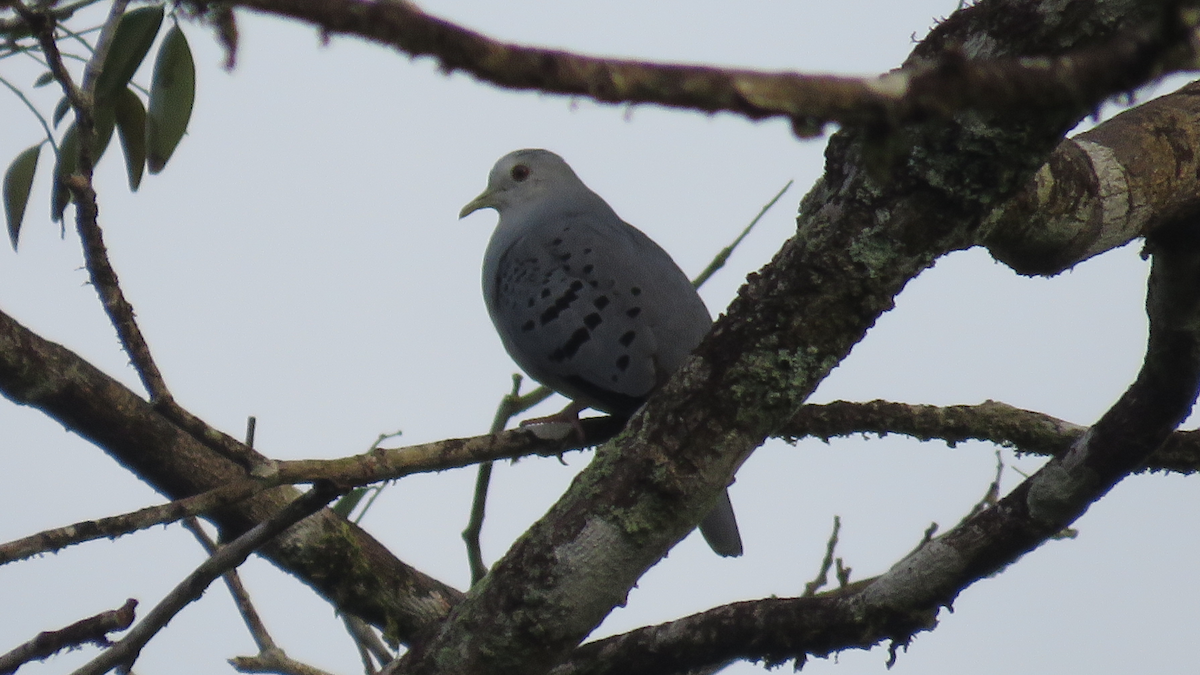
<point x="61" y="110"/>
<point x="18" y="181"/>
<point x="68" y="156"/>
<point x="345" y="506"/>
<point x="131" y="41"/>
<point x="43" y="79"/>
<point x="68" y="160"/>
<point x="105" y="122"/>
<point x="131" y="123"/>
<point x="172" y="93"/>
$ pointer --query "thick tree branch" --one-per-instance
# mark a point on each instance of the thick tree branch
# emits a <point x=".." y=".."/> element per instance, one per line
<point x="337" y="558"/>
<point x="862" y="236"/>
<point x="907" y="598"/>
<point x="939" y="88"/>
<point x="1105" y="187"/>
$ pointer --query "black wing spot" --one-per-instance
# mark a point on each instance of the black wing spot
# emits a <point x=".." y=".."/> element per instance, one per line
<point x="627" y="338"/>
<point x="622" y="363"/>
<point x="601" y="302"/>
<point x="556" y="242"/>
<point x="592" y="320"/>
<point x="594" y="284"/>
<point x="545" y="293"/>
<point x="565" y="256"/>
<point x="560" y="305"/>
<point x="587" y="269"/>
<point x="635" y="290"/>
<point x="531" y="302"/>
<point x="527" y="326"/>
<point x="576" y="285"/>
<point x="587" y="251"/>
<point x="632" y="312"/>
<point x="566" y="268"/>
<point x="572" y="345"/>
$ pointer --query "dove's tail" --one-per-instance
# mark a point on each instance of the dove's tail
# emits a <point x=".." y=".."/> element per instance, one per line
<point x="720" y="528"/>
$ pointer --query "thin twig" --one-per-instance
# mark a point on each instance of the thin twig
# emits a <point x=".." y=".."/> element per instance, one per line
<point x="368" y="643"/>
<point x="94" y="629"/>
<point x="60" y="13"/>
<point x="270" y="656"/>
<point x="29" y="104"/>
<point x="115" y="526"/>
<point x="241" y="597"/>
<point x="123" y="653"/>
<point x="346" y="505"/>
<point x="918" y="91"/>
<point x="100" y="270"/>
<point x="719" y="260"/>
<point x="822" y="578"/>
<point x="219" y="441"/>
<point x="509" y="406"/>
<point x="42" y="25"/>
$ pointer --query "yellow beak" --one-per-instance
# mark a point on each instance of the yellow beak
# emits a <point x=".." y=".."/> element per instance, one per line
<point x="483" y="201"/>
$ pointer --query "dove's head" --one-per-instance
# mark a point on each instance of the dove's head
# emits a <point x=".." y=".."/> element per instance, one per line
<point x="525" y="178"/>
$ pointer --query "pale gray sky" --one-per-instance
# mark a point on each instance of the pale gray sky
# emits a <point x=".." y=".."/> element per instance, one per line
<point x="300" y="260"/>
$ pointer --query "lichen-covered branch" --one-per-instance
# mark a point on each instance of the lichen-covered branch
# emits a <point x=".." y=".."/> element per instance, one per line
<point x="907" y="598"/>
<point x="862" y="235"/>
<point x="1103" y="188"/>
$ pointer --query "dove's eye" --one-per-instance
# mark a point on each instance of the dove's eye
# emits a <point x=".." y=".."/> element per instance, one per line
<point x="520" y="172"/>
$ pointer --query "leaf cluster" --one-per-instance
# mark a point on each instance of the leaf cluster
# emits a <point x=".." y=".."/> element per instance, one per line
<point x="149" y="132"/>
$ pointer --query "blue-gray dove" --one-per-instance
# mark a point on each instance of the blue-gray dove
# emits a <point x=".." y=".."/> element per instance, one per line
<point x="584" y="302"/>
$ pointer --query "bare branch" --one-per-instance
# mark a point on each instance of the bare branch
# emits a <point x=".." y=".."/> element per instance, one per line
<point x="123" y="653"/>
<point x="94" y="630"/>
<point x="722" y="256"/>
<point x="115" y="526"/>
<point x="368" y="643"/>
<point x="104" y="279"/>
<point x="241" y="597"/>
<point x="11" y="27"/>
<point x="937" y="88"/>
<point x="273" y="661"/>
<point x="1025" y="431"/>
